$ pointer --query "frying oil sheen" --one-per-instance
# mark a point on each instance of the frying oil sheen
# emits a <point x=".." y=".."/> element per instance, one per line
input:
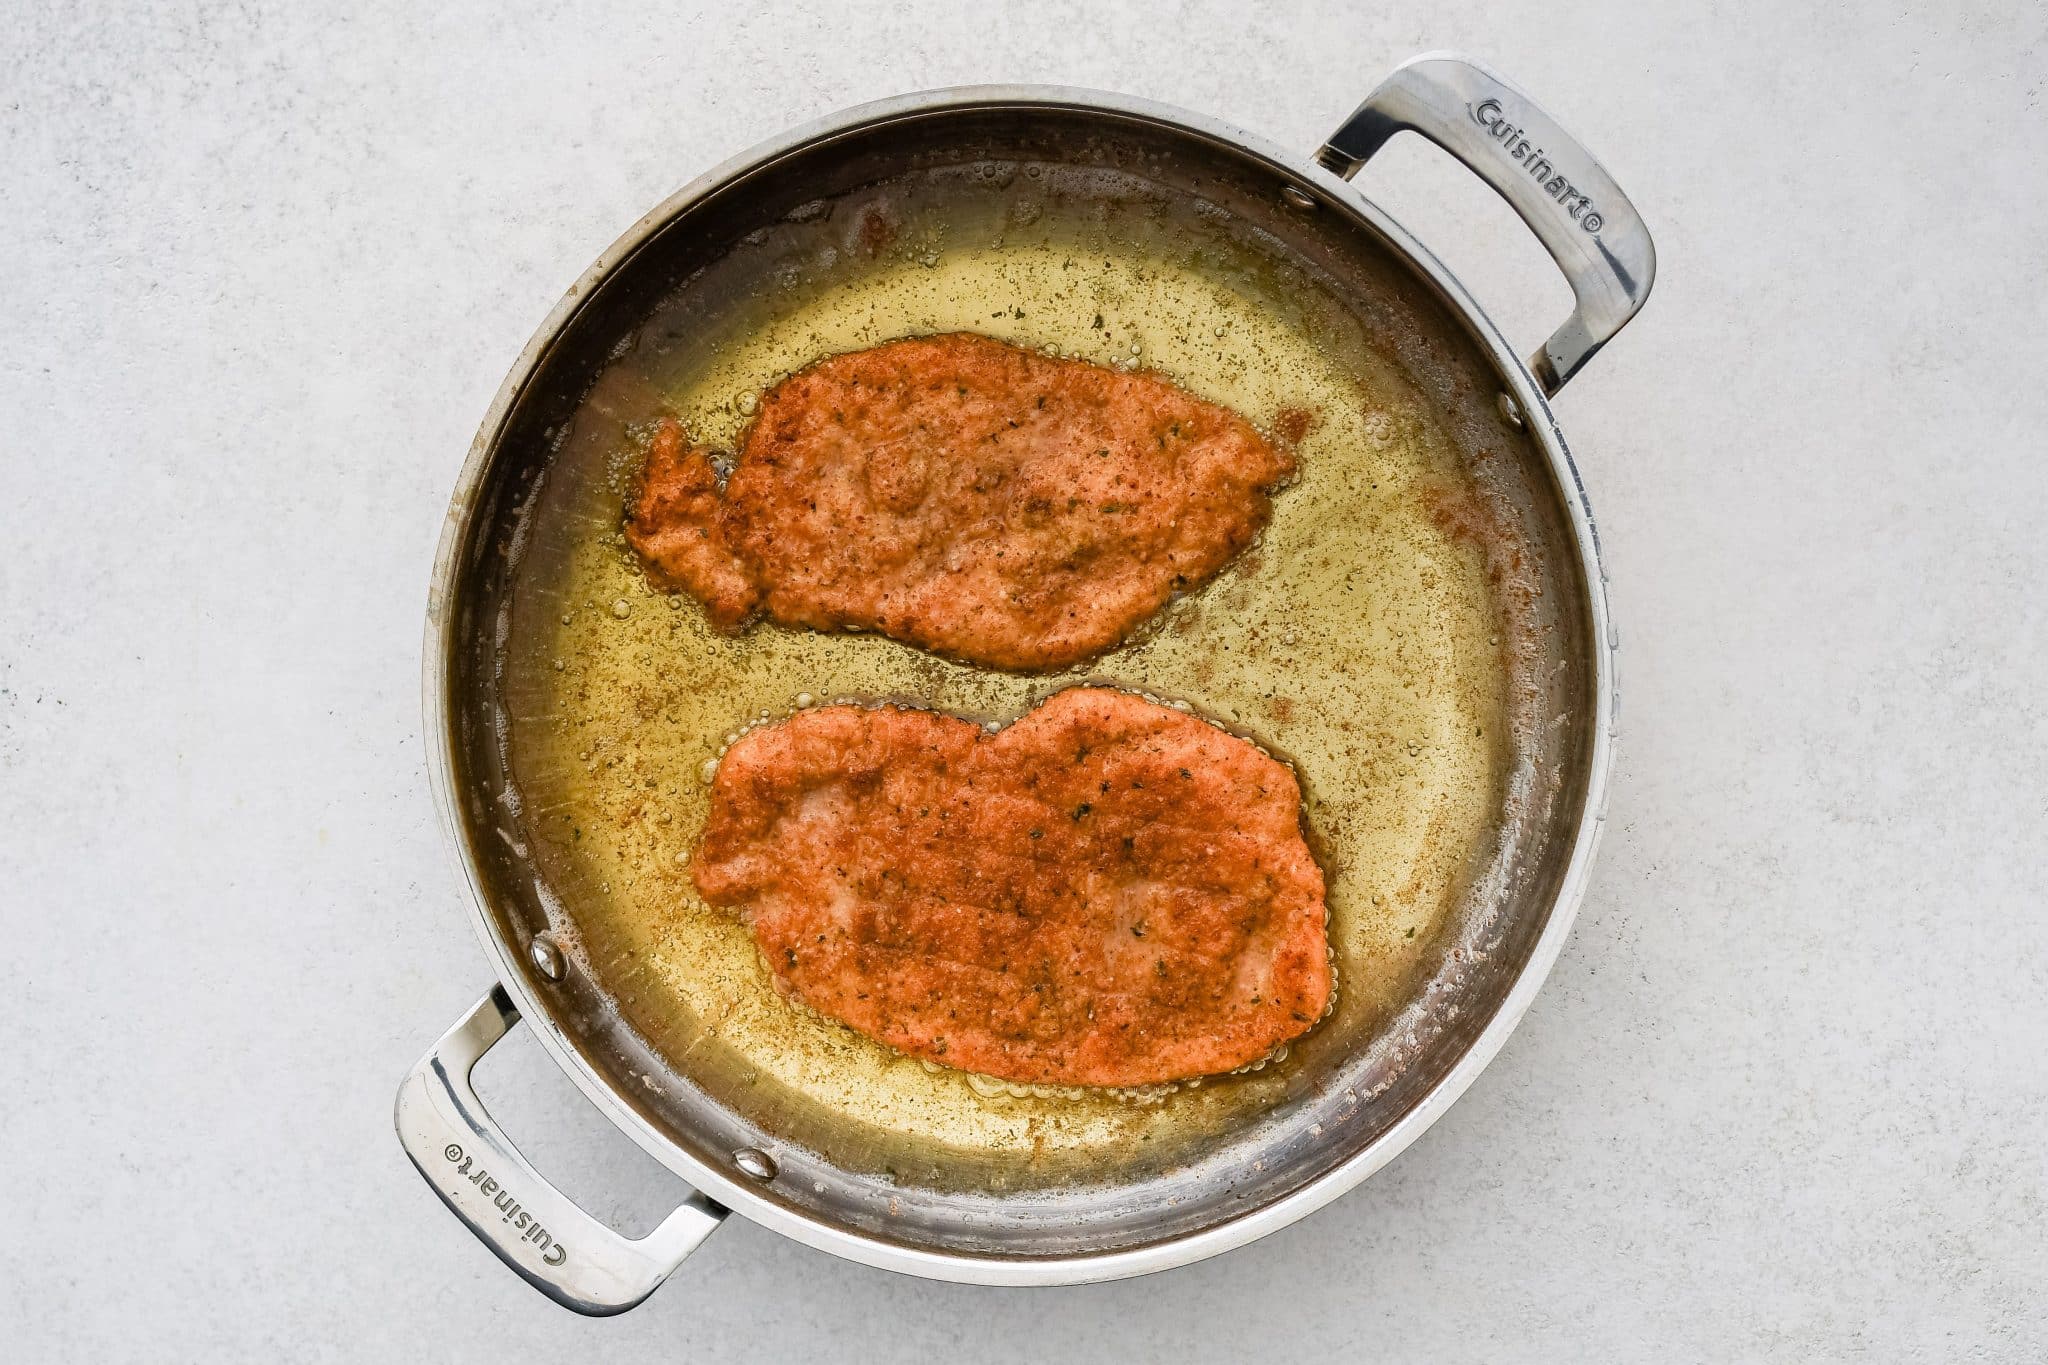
<point x="1358" y="640"/>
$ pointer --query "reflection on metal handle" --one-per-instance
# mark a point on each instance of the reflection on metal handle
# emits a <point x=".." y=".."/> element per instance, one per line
<point x="535" y="1228"/>
<point x="1579" y="213"/>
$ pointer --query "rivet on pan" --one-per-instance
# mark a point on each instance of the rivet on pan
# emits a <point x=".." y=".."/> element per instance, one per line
<point x="754" y="1163"/>
<point x="1297" y="197"/>
<point x="1510" y="409"/>
<point x="547" y="957"/>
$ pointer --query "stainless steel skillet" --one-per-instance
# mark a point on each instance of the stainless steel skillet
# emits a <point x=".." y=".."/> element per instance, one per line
<point x="1357" y="1108"/>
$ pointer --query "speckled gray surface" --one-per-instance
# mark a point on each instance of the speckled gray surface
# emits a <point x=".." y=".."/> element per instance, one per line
<point x="260" y="272"/>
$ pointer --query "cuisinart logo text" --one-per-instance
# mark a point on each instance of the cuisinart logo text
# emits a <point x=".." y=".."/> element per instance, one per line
<point x="1573" y="200"/>
<point x="509" y="1212"/>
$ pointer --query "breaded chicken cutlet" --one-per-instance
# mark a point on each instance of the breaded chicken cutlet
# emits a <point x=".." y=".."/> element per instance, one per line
<point x="986" y="502"/>
<point x="1108" y="892"/>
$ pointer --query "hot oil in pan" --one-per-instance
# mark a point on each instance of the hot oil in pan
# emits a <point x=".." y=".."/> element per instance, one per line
<point x="1358" y="640"/>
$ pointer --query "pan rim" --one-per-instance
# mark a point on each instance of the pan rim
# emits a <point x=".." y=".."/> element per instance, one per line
<point x="1237" y="1229"/>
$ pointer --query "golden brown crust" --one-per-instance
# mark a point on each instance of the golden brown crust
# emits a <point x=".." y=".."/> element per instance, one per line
<point x="984" y="501"/>
<point x="1108" y="892"/>
<point x="673" y="523"/>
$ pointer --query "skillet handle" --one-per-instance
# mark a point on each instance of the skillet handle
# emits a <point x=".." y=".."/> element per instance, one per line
<point x="535" y="1228"/>
<point x="1575" y="209"/>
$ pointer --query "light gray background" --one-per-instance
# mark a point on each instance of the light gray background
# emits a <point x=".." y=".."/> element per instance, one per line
<point x="260" y="273"/>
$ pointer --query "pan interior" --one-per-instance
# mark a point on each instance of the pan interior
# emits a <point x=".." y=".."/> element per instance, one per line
<point x="1394" y="636"/>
